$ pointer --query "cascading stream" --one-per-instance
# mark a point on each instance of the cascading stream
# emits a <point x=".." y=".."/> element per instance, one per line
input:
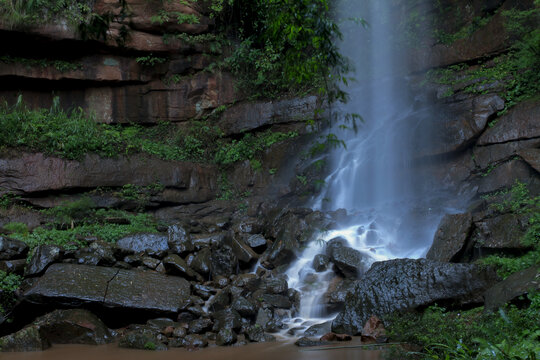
<point x="372" y="177"/>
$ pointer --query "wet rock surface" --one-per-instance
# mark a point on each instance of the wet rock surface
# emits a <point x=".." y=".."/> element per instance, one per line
<point x="450" y="237"/>
<point x="404" y="284"/>
<point x="12" y="249"/>
<point x="76" y="284"/>
<point x="518" y="284"/>
<point x="75" y="326"/>
<point x="42" y="257"/>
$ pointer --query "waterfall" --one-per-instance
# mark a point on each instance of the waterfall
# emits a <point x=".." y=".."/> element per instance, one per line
<point x="373" y="176"/>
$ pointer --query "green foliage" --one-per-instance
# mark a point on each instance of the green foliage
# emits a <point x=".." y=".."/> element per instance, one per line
<point x="94" y="225"/>
<point x="76" y="210"/>
<point x="28" y="12"/>
<point x="287" y="46"/>
<point x="150" y="346"/>
<point x="150" y="60"/>
<point x="73" y="135"/>
<point x="6" y="200"/>
<point x="249" y="146"/>
<point x="59" y="65"/>
<point x="9" y="283"/>
<point x="514" y="75"/>
<point x="164" y="16"/>
<point x="226" y="191"/>
<point x="512" y="333"/>
<point x="16" y="227"/>
<point x="464" y="32"/>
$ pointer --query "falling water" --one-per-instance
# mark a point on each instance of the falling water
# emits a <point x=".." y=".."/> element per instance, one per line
<point x="372" y="177"/>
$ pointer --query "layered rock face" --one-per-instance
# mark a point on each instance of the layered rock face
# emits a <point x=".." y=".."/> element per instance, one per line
<point x="141" y="71"/>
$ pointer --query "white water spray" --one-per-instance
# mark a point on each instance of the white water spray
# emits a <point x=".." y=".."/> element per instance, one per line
<point x="372" y="177"/>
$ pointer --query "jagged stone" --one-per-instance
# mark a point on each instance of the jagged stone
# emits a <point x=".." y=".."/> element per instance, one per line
<point x="450" y="237"/>
<point x="12" y="249"/>
<point x="225" y="337"/>
<point x="179" y="240"/>
<point x="151" y="244"/>
<point x="176" y="265"/>
<point x="42" y="257"/>
<point x="518" y="284"/>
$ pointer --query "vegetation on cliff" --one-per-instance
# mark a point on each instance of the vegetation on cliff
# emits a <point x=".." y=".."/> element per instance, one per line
<point x="74" y="134"/>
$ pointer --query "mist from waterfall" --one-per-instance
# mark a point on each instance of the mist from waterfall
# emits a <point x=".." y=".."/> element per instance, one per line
<point x="373" y="177"/>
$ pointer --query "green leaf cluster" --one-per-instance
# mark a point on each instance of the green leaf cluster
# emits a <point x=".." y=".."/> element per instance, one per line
<point x="94" y="223"/>
<point x="512" y="333"/>
<point x="287" y="47"/>
<point x="8" y="284"/>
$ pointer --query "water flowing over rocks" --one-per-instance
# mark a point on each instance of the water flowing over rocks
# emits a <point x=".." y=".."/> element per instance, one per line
<point x="404" y="284"/>
<point x="227" y="234"/>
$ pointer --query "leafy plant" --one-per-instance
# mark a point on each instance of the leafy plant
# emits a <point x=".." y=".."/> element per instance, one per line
<point x="150" y="60"/>
<point x="512" y="333"/>
<point x="16" y="227"/>
<point x="9" y="283"/>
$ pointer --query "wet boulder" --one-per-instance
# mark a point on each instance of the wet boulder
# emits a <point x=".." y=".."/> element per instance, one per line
<point x="277" y="301"/>
<point x="151" y="244"/>
<point x="206" y="240"/>
<point x="27" y="339"/>
<point x="244" y="307"/>
<point x="12" y="249"/>
<point x="257" y="242"/>
<point x="194" y="341"/>
<point x="204" y="291"/>
<point x="405" y="284"/>
<point x="320" y="262"/>
<point x="338" y="289"/>
<point x="501" y="232"/>
<point x="274" y="285"/>
<point x="450" y="237"/>
<point x="202" y="262"/>
<point x="174" y="264"/>
<point x="225" y="337"/>
<point x="349" y="261"/>
<point x="224" y="262"/>
<point x="255" y="333"/>
<point x="13" y="266"/>
<point x="200" y="326"/>
<point x="307" y="342"/>
<point x="143" y="339"/>
<point x="74" y="326"/>
<point x="221" y="300"/>
<point x="227" y="319"/>
<point x="243" y="253"/>
<point x="98" y="253"/>
<point x="179" y="240"/>
<point x="110" y="287"/>
<point x="318" y="330"/>
<point x="42" y="257"/>
<point x="516" y="285"/>
<point x="334" y="244"/>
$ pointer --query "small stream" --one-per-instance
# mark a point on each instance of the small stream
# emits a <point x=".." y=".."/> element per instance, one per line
<point x="262" y="351"/>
